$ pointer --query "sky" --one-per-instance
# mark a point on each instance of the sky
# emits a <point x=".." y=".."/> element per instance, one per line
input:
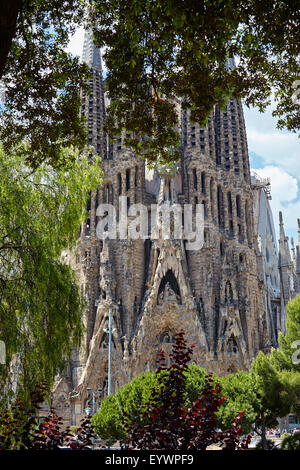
<point x="273" y="153"/>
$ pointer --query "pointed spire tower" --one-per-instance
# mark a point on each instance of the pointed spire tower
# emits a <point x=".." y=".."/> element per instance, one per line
<point x="293" y="253"/>
<point x="91" y="54"/>
<point x="93" y="107"/>
<point x="285" y="263"/>
<point x="298" y="256"/>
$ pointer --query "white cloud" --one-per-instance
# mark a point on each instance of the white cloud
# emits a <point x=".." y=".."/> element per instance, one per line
<point x="75" y="45"/>
<point x="284" y="190"/>
<point x="76" y="42"/>
<point x="276" y="147"/>
<point x="280" y="151"/>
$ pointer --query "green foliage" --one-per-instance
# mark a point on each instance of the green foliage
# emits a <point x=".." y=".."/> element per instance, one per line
<point x="42" y="82"/>
<point x="289" y="357"/>
<point x="158" y="51"/>
<point x="239" y="390"/>
<point x="270" y="445"/>
<point x="73" y="429"/>
<point x="118" y="410"/>
<point x="196" y="380"/>
<point x="274" y="391"/>
<point x="40" y="303"/>
<point x="291" y="442"/>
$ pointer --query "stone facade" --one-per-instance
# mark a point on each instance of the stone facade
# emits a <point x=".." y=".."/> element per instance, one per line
<point x="155" y="287"/>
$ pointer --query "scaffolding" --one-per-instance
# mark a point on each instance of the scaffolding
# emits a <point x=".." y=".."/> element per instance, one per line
<point x="257" y="182"/>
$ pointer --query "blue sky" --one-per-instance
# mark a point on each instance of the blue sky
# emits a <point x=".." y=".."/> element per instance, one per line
<point x="273" y="153"/>
<point x="276" y="154"/>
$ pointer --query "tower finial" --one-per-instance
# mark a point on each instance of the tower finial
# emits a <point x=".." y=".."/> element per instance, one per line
<point x="281" y="226"/>
<point x="91" y="53"/>
<point x="280" y="218"/>
<point x="293" y="252"/>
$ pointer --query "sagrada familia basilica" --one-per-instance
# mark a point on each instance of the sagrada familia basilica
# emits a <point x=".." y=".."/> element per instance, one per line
<point x="229" y="296"/>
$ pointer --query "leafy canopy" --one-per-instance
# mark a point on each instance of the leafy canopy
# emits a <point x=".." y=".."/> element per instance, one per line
<point x="22" y="429"/>
<point x="159" y="51"/>
<point x="175" y="408"/>
<point x="290" y="343"/>
<point x="41" y="80"/>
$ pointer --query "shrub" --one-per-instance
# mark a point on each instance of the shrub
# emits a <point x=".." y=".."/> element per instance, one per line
<point x="271" y="445"/>
<point x="291" y="442"/>
<point x="168" y="424"/>
<point x="22" y="429"/>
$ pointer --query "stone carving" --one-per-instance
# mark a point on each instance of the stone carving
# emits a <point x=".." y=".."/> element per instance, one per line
<point x="168" y="295"/>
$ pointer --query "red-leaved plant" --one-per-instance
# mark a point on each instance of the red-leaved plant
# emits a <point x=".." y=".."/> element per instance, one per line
<point x="22" y="429"/>
<point x="169" y="424"/>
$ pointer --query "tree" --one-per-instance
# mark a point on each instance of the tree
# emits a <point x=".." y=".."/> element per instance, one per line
<point x="289" y="357"/>
<point x="168" y="424"/>
<point x="40" y="302"/>
<point x="163" y="422"/>
<point x="41" y="80"/>
<point x="156" y="52"/>
<point x="22" y="429"/>
<point x="240" y="393"/>
<point x="274" y="392"/>
<point x="291" y="442"/>
<point x="160" y="51"/>
<point x="116" y="415"/>
<point x="117" y="411"/>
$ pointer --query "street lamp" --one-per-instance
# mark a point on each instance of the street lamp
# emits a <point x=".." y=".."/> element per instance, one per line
<point x="91" y="395"/>
<point x="110" y="331"/>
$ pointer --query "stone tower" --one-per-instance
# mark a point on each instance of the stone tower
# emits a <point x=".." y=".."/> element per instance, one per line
<point x="155" y="286"/>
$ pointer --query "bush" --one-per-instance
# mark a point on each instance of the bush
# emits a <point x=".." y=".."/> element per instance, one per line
<point x="291" y="442"/>
<point x="271" y="445"/>
<point x="117" y="412"/>
<point x="20" y="429"/>
<point x="168" y="424"/>
<point x="120" y="413"/>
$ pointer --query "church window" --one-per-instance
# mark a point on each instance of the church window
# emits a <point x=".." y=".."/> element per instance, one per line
<point x="88" y="227"/>
<point x="238" y="206"/>
<point x="127" y="179"/>
<point x="222" y="249"/>
<point x="220" y="207"/>
<point x="166" y="338"/>
<point x="120" y="183"/>
<point x="169" y="286"/>
<point x="228" y="293"/>
<point x="203" y="186"/>
<point x="195" y="178"/>
<point x="229" y="201"/>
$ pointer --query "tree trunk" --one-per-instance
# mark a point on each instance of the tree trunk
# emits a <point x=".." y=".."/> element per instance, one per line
<point x="9" y="11"/>
<point x="263" y="433"/>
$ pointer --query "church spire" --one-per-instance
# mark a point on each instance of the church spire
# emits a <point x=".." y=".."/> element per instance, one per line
<point x="93" y="106"/>
<point x="281" y="227"/>
<point x="293" y="253"/>
<point x="91" y="53"/>
<point x="298" y="254"/>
